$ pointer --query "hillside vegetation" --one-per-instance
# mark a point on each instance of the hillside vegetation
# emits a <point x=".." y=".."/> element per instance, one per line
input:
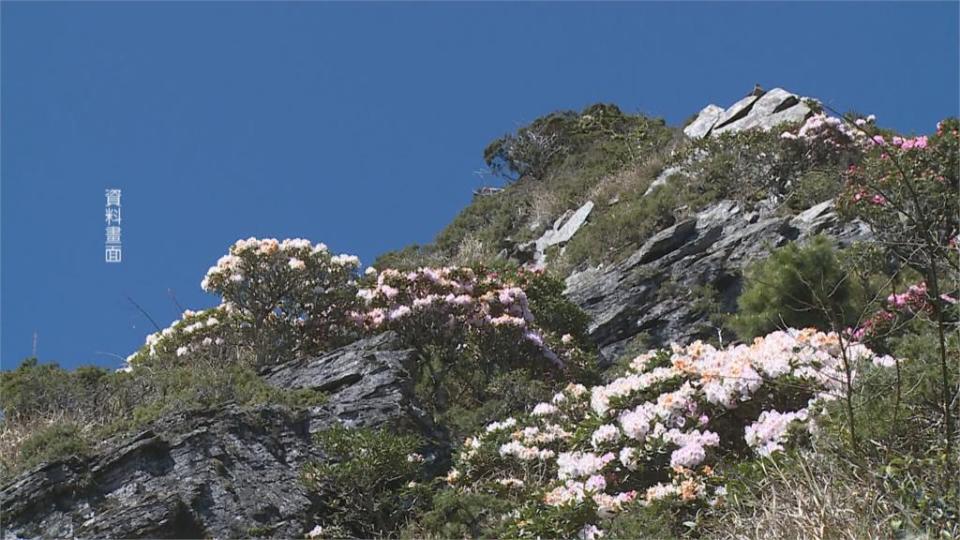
<point x="794" y="375"/>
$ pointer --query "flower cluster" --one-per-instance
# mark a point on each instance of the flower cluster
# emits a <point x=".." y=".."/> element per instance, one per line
<point x="456" y="302"/>
<point x="897" y="308"/>
<point x="906" y="189"/>
<point x="900" y="142"/>
<point x="836" y="131"/>
<point x="653" y="433"/>
<point x="278" y="298"/>
<point x="769" y="432"/>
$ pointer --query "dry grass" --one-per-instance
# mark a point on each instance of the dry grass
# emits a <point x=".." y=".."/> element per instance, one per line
<point x="631" y="182"/>
<point x="13" y="433"/>
<point x="472" y="251"/>
<point x="817" y="497"/>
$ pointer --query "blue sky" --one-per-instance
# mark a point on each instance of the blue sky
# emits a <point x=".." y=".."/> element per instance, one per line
<point x="359" y="125"/>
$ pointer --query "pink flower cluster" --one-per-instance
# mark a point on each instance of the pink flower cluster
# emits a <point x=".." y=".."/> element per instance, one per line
<point x="903" y="143"/>
<point x="662" y="405"/>
<point x="863" y="195"/>
<point x="455" y="298"/>
<point x="914" y="301"/>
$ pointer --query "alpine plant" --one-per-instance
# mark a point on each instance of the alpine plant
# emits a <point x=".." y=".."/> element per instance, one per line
<point x="653" y="435"/>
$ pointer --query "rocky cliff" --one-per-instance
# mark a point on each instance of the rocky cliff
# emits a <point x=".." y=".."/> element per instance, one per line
<point x="655" y="291"/>
<point x="226" y="473"/>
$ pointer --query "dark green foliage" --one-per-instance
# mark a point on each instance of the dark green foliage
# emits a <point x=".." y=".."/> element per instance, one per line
<point x="601" y="138"/>
<point x="506" y="394"/>
<point x="798" y="286"/>
<point x="553" y="310"/>
<point x="409" y="258"/>
<point x="34" y="389"/>
<point x="56" y="441"/>
<point x="659" y="520"/>
<point x="814" y="187"/>
<point x="753" y="165"/>
<point x="460" y="515"/>
<point x="367" y="481"/>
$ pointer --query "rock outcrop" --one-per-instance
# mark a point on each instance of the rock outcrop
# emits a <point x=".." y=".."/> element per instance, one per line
<point x="563" y="230"/>
<point x="764" y="111"/>
<point x="657" y="291"/>
<point x="227" y="473"/>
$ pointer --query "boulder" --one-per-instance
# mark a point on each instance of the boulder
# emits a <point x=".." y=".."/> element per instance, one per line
<point x="771" y="107"/>
<point x="704" y="122"/>
<point x="764" y="111"/>
<point x="735" y="112"/>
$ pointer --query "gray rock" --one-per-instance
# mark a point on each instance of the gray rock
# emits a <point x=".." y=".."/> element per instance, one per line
<point x="777" y="101"/>
<point x="735" y="112"/>
<point x="227" y="473"/>
<point x="656" y="291"/>
<point x="367" y="383"/>
<point x="704" y="122"/>
<point x="563" y="230"/>
<point x="795" y="114"/>
<point x="752" y="112"/>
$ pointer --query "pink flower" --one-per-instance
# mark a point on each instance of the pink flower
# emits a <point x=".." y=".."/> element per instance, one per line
<point x="878" y="200"/>
<point x="878" y="140"/>
<point x="920" y="142"/>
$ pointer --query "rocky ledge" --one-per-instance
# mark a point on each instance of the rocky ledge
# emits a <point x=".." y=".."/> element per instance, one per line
<point x="227" y="473"/>
<point x="655" y="291"/>
<point x="761" y="110"/>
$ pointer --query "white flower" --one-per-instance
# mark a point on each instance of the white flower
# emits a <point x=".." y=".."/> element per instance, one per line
<point x="590" y="532"/>
<point x="296" y="264"/>
<point x="605" y="434"/>
<point x="182" y="350"/>
<point x="544" y="409"/>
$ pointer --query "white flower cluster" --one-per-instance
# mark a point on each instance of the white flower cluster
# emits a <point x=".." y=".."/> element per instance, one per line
<point x="455" y="295"/>
<point x="664" y="404"/>
<point x="247" y="279"/>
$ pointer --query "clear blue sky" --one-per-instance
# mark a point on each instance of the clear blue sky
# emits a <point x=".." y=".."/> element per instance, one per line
<point x="359" y="125"/>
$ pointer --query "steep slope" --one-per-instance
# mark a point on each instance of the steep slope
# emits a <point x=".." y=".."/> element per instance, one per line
<point x="229" y="472"/>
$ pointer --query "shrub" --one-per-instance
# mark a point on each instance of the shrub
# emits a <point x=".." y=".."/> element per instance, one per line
<point x="92" y="403"/>
<point x="623" y="226"/>
<point x="599" y="140"/>
<point x="753" y="165"/>
<point x="471" y="327"/>
<point x="56" y="441"/>
<point x="454" y="514"/>
<point x="369" y="480"/>
<point x="280" y="300"/>
<point x="798" y="285"/>
<point x="654" y="434"/>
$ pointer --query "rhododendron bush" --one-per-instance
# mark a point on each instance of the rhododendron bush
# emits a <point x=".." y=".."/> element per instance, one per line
<point x="908" y="190"/>
<point x="280" y="299"/>
<point x="470" y="325"/>
<point x="653" y="435"/>
<point x="283" y="299"/>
